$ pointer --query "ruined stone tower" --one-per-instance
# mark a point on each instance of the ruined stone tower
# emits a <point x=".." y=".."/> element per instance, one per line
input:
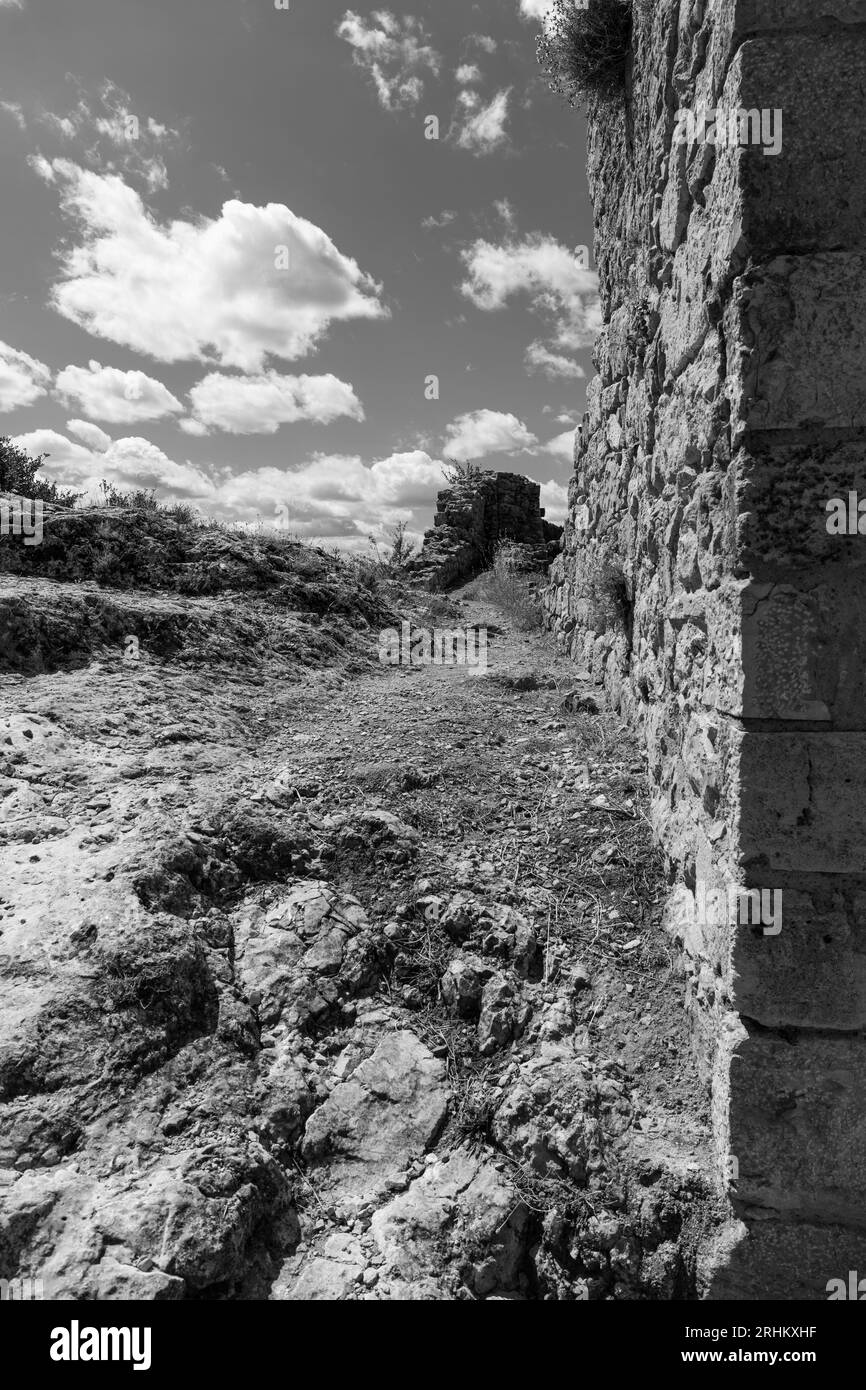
<point x="707" y="586"/>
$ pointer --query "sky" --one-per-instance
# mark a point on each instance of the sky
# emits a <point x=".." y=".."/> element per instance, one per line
<point x="283" y="259"/>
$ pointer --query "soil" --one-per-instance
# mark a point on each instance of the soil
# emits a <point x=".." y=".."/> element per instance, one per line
<point x="324" y="979"/>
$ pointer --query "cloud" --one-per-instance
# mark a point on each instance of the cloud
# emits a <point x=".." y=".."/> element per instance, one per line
<point x="42" y="166"/>
<point x="562" y="446"/>
<point x="91" y="435"/>
<point x="23" y="379"/>
<point x="535" y="9"/>
<point x="15" y="110"/>
<point x="127" y="463"/>
<point x="539" y="358"/>
<point x="336" y="497"/>
<point x="559" y="288"/>
<point x="115" y="138"/>
<point x="554" y="500"/>
<point x="482" y="432"/>
<point x="12" y="4"/>
<point x="443" y="220"/>
<point x="484" y="41"/>
<point x="505" y="210"/>
<point x="205" y="290"/>
<point x="106" y="393"/>
<point x="468" y="72"/>
<point x="330" y="497"/>
<point x="539" y="266"/>
<point x="483" y="128"/>
<point x="394" y="52"/>
<point x="260" y="404"/>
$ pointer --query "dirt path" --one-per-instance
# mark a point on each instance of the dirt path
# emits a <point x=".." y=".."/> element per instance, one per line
<point x="339" y="988"/>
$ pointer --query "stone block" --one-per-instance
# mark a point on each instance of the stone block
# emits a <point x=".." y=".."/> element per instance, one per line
<point x="801" y="802"/>
<point x="798" y="1126"/>
<point x="813" y="973"/>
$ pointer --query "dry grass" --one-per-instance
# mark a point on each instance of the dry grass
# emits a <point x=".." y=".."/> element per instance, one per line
<point x="583" y="49"/>
<point x="508" y="587"/>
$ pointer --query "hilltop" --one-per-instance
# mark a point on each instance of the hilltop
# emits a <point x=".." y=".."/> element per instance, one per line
<point x="193" y="591"/>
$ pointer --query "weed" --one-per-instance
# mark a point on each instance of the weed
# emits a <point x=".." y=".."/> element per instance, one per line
<point x="509" y="587"/>
<point x="583" y="49"/>
<point x="606" y="594"/>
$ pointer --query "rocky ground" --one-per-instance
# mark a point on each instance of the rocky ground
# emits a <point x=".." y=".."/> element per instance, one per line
<point x="328" y="980"/>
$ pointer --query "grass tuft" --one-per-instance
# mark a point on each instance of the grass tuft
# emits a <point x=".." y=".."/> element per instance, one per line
<point x="584" y="48"/>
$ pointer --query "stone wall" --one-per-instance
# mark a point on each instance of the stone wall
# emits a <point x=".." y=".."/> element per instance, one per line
<point x="699" y="583"/>
<point x="472" y="517"/>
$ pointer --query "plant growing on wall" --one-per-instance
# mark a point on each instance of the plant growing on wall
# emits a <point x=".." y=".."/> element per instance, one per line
<point x="455" y="473"/>
<point x="605" y="592"/>
<point x="583" y="48"/>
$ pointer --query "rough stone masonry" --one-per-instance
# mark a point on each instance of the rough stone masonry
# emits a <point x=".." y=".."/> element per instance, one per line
<point x="701" y="584"/>
<point x="473" y="517"/>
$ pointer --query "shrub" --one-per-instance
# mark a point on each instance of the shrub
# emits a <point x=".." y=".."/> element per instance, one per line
<point x="142" y="499"/>
<point x="367" y="573"/>
<point x="508" y="586"/>
<point x="18" y="474"/>
<point x="584" y="47"/>
<point x="455" y="473"/>
<point x="402" y="549"/>
<point x="401" y="552"/>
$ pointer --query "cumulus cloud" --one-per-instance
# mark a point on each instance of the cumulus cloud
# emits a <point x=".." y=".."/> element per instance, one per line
<point x="485" y="42"/>
<point x="558" y="286"/>
<point x="23" y="379"/>
<point x="538" y="266"/>
<point x="124" y="398"/>
<point x="482" y="432"/>
<point x="562" y="446"/>
<point x="468" y="72"/>
<point x="337" y="497"/>
<point x="127" y="463"/>
<point x="554" y="500"/>
<point x="535" y="9"/>
<point x="89" y="434"/>
<point x="481" y="129"/>
<point x="260" y="404"/>
<point x="213" y="289"/>
<point x="553" y="364"/>
<point x="192" y="426"/>
<point x="12" y="4"/>
<point x="395" y="52"/>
